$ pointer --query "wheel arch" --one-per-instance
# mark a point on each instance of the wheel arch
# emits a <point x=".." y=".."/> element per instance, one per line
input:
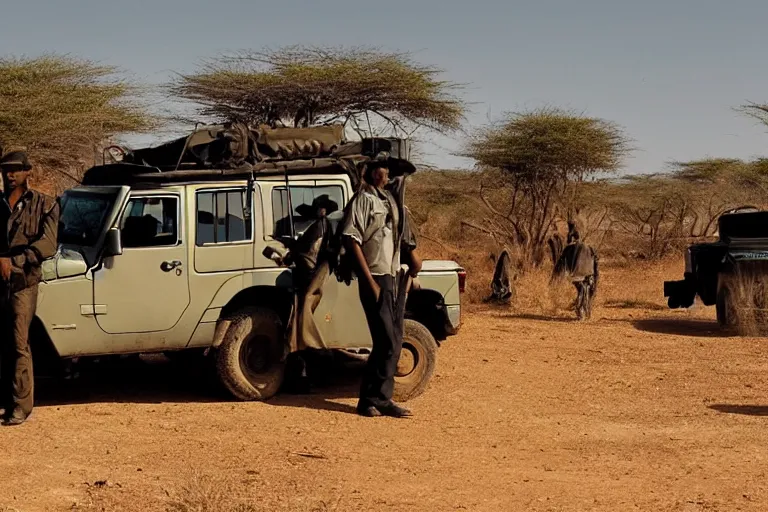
<point x="427" y="307"/>
<point x="276" y="298"/>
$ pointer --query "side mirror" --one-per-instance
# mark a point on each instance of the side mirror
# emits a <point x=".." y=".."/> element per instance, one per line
<point x="113" y="245"/>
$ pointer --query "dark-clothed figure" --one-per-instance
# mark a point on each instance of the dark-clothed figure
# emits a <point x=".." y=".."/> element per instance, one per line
<point x="313" y="249"/>
<point x="373" y="233"/>
<point x="315" y="244"/>
<point x="580" y="263"/>
<point x="29" y="220"/>
<point x="573" y="233"/>
<point x="502" y="289"/>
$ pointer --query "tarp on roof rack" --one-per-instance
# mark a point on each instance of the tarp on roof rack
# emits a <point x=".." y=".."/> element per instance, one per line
<point x="231" y="145"/>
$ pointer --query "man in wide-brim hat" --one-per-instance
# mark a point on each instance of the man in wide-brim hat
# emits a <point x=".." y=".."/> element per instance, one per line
<point x="29" y="223"/>
<point x="373" y="231"/>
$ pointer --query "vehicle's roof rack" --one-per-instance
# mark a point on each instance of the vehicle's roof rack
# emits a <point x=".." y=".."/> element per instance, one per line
<point x="131" y="174"/>
<point x="234" y="151"/>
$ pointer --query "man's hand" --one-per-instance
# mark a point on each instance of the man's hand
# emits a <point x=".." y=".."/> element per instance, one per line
<point x="362" y="265"/>
<point x="375" y="288"/>
<point x="5" y="269"/>
<point x="414" y="263"/>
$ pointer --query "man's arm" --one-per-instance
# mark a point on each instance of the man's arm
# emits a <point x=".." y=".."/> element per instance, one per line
<point x="353" y="233"/>
<point x="362" y="265"/>
<point x="45" y="245"/>
<point x="414" y="262"/>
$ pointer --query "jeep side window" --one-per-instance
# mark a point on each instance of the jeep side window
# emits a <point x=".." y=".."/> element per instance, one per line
<point x="301" y="200"/>
<point x="150" y="222"/>
<point x="221" y="217"/>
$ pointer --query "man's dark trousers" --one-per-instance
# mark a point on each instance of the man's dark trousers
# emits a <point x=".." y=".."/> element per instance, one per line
<point x="385" y="321"/>
<point x="16" y="382"/>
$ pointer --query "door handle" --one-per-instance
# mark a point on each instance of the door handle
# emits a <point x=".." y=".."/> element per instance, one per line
<point x="167" y="266"/>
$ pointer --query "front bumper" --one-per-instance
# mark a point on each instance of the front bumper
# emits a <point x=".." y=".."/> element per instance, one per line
<point x="680" y="294"/>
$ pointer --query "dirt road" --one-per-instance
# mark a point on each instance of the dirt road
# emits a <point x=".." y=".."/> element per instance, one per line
<point x="637" y="409"/>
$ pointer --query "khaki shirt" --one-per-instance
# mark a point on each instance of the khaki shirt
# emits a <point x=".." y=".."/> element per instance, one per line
<point x="373" y="222"/>
<point x="29" y="236"/>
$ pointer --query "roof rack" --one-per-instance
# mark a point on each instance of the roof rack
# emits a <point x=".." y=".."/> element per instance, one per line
<point x="131" y="174"/>
<point x="234" y="151"/>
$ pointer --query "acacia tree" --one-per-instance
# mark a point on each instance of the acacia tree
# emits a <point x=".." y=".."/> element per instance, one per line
<point x="537" y="161"/>
<point x="61" y="109"/>
<point x="303" y="86"/>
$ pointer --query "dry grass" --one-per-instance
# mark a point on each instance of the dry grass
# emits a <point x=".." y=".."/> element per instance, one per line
<point x="206" y="494"/>
<point x="748" y="288"/>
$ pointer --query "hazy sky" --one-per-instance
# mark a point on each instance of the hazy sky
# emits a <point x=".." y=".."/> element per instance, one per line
<point x="670" y="72"/>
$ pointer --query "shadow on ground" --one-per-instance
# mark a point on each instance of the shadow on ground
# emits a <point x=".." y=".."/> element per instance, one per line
<point x="682" y="327"/>
<point x="539" y="318"/>
<point x="155" y="379"/>
<point x="634" y="304"/>
<point x="745" y="410"/>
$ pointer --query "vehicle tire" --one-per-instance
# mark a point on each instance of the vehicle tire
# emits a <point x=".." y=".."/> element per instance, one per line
<point x="249" y="360"/>
<point x="724" y="307"/>
<point x="417" y="361"/>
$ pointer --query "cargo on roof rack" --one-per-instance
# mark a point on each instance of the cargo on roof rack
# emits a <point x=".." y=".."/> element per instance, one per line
<point x="232" y="144"/>
<point x="131" y="174"/>
<point x="233" y="150"/>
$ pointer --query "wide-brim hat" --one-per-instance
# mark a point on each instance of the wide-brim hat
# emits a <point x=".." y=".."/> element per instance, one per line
<point x="322" y="201"/>
<point x="380" y="160"/>
<point x="15" y="161"/>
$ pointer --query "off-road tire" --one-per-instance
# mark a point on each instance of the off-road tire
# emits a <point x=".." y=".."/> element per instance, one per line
<point x="417" y="361"/>
<point x="721" y="307"/>
<point x="249" y="361"/>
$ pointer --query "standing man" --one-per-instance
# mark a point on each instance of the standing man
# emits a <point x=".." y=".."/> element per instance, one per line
<point x="29" y="222"/>
<point x="373" y="233"/>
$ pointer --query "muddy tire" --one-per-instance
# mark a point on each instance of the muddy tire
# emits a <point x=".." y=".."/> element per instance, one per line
<point x="724" y="307"/>
<point x="249" y="361"/>
<point x="417" y="361"/>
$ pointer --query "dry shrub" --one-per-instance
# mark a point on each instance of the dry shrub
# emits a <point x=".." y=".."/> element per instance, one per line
<point x="537" y="294"/>
<point x="206" y="494"/>
<point x="748" y="288"/>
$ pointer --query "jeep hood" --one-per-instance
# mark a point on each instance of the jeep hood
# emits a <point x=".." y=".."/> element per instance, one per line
<point x="66" y="263"/>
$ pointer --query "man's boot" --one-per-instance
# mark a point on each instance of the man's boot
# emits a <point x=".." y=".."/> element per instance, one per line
<point x="17" y="417"/>
<point x="393" y="410"/>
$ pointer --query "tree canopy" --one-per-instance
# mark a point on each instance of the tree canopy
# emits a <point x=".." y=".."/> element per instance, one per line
<point x="59" y="109"/>
<point x="550" y="142"/>
<point x="537" y="159"/>
<point x="303" y="86"/>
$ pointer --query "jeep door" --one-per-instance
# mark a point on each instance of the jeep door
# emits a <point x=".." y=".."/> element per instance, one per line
<point x="339" y="316"/>
<point x="145" y="289"/>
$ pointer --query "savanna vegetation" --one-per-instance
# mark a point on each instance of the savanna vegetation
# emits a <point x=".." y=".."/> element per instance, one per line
<point x="535" y="169"/>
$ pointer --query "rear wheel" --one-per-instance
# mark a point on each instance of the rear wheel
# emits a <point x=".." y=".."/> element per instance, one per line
<point x="417" y="361"/>
<point x="724" y="307"/>
<point x="250" y="361"/>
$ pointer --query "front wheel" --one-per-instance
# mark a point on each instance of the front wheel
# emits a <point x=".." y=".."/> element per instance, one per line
<point x="250" y="361"/>
<point x="417" y="361"/>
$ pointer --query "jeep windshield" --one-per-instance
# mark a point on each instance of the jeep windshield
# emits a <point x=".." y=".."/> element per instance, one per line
<point x="83" y="215"/>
